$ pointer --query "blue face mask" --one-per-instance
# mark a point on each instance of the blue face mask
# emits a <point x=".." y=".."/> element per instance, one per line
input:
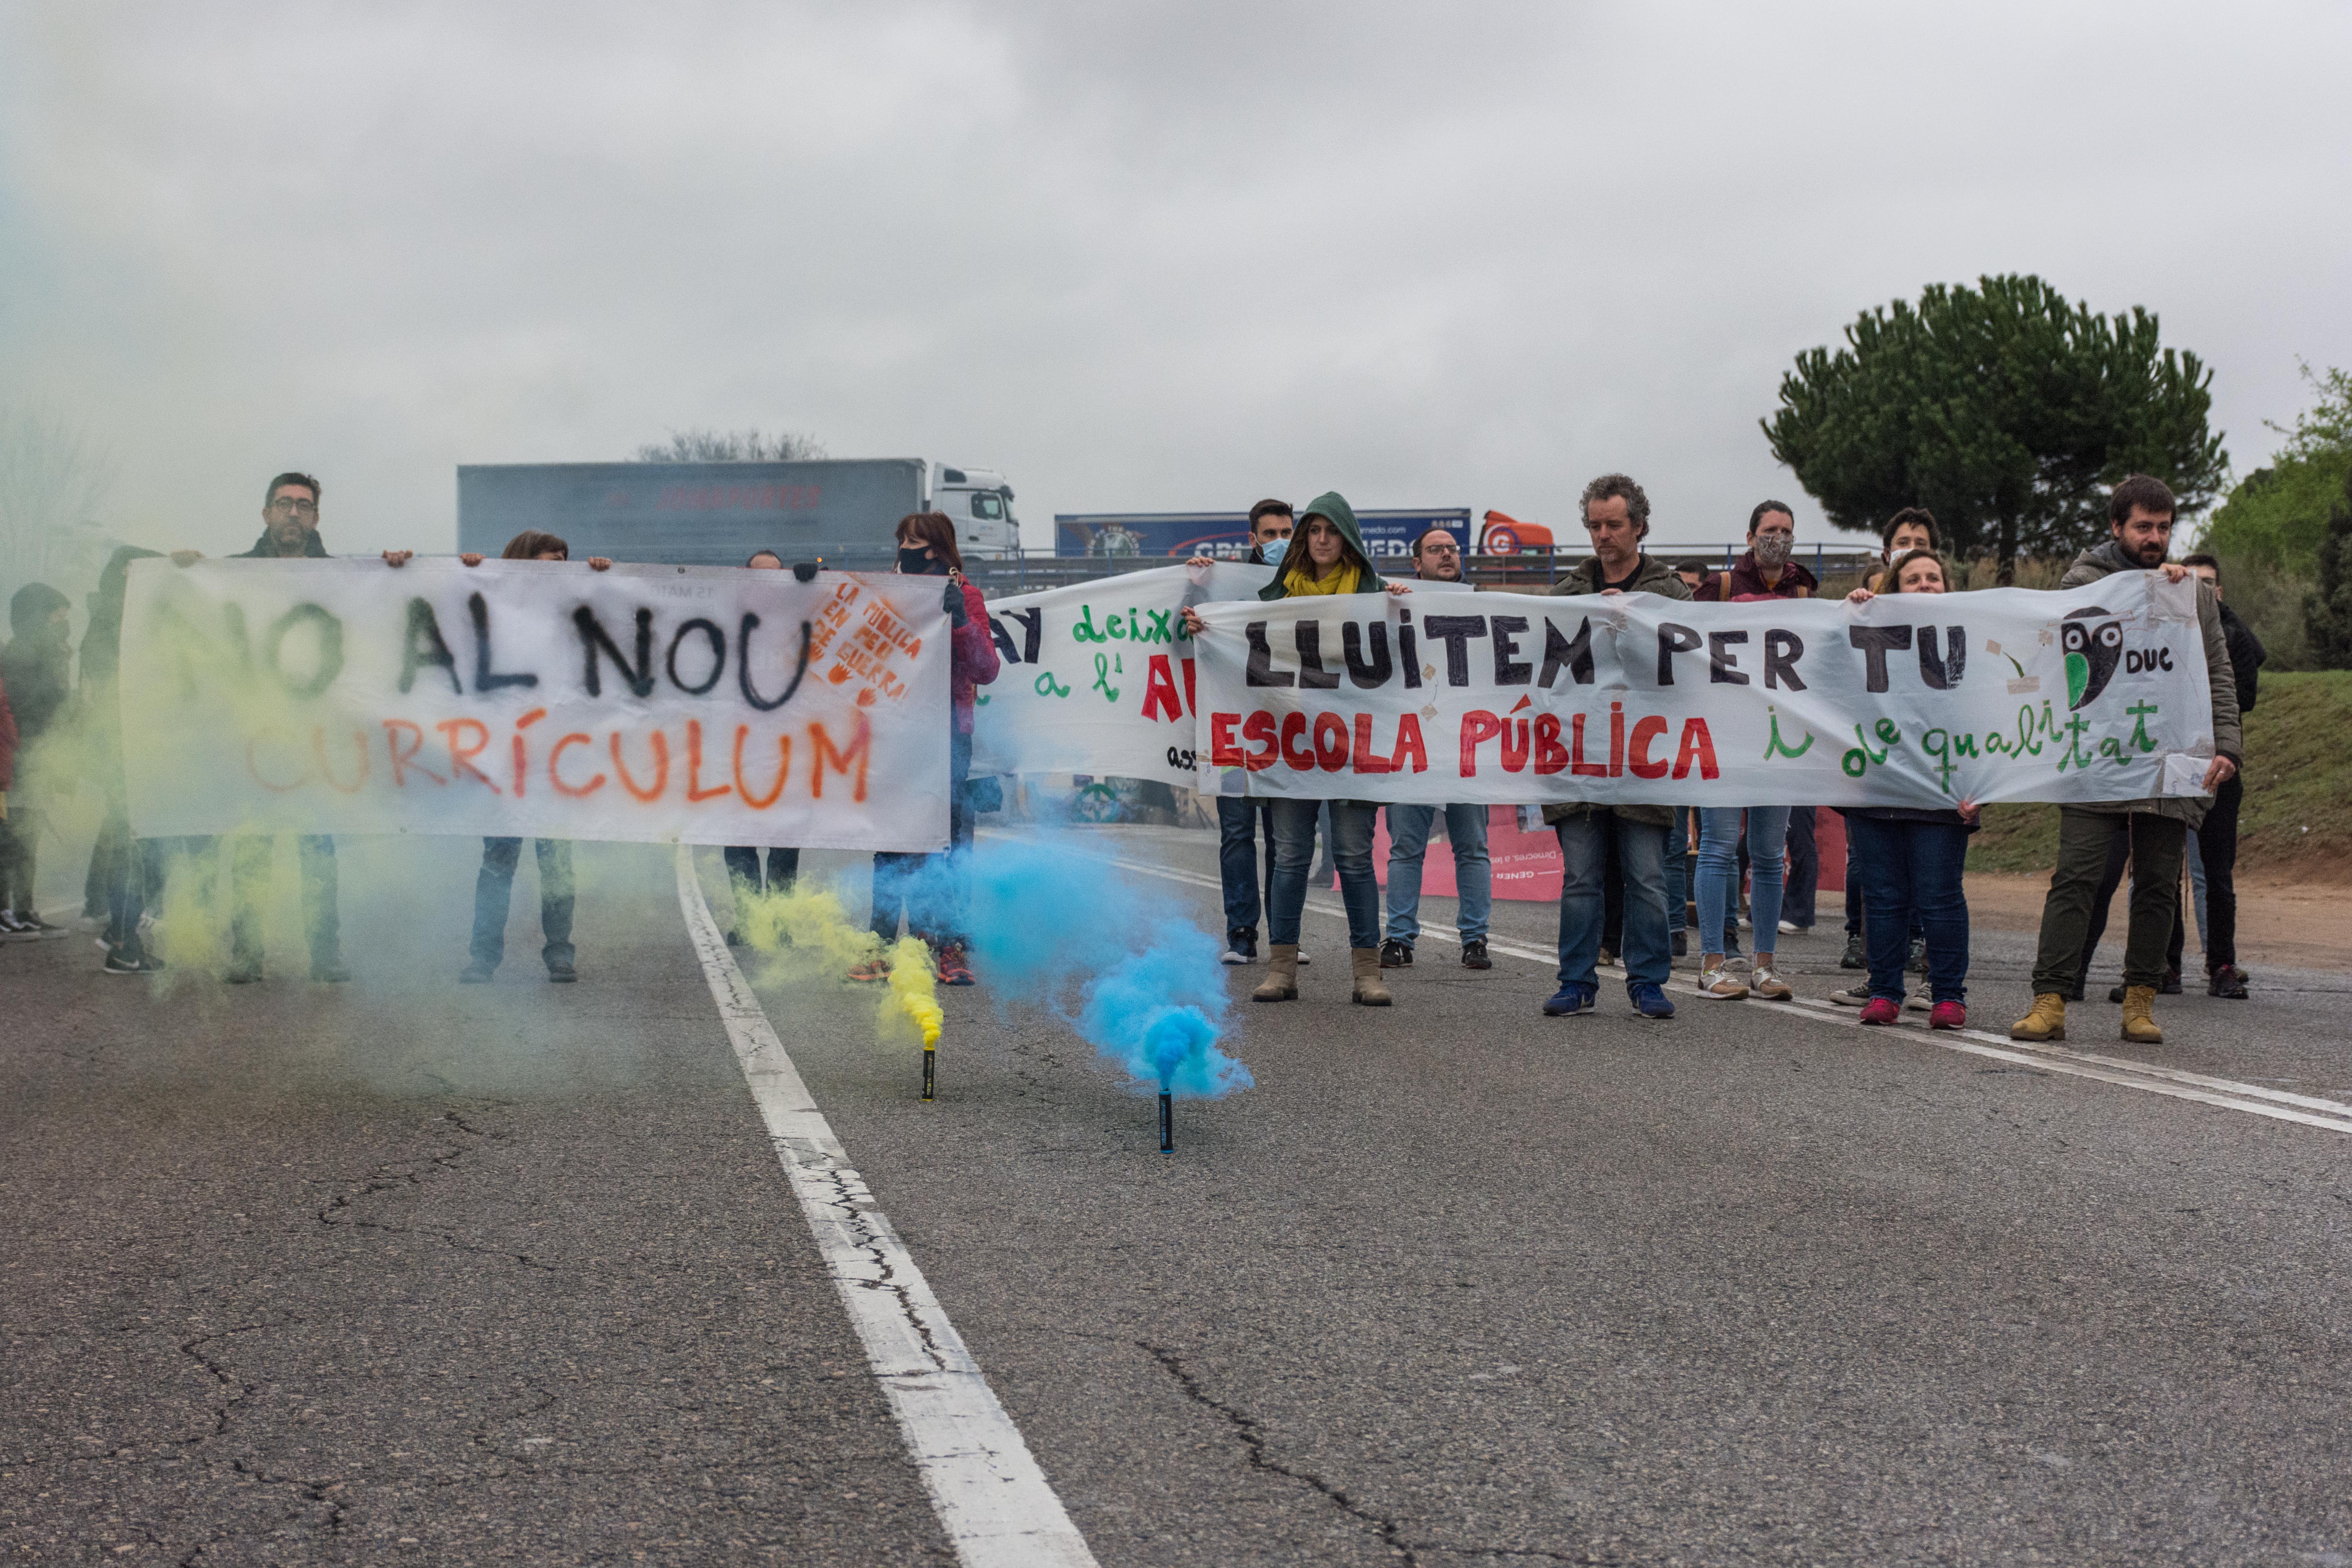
<point x="1274" y="550"/>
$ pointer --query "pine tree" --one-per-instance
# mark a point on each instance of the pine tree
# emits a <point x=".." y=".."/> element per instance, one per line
<point x="2327" y="613"/>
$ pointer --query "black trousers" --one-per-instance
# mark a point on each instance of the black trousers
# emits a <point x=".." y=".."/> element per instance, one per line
<point x="2217" y="845"/>
<point x="743" y="868"/>
<point x="1804" y="868"/>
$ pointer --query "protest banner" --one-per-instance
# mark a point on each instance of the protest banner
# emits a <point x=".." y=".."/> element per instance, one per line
<point x="1097" y="678"/>
<point x="650" y="704"/>
<point x="2098" y="693"/>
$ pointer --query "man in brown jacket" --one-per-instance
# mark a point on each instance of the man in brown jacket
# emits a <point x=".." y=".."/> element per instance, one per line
<point x="2139" y="517"/>
<point x="1617" y="516"/>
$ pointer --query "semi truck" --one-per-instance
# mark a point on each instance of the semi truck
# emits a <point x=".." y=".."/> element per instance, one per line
<point x="1225" y="535"/>
<point x="843" y="513"/>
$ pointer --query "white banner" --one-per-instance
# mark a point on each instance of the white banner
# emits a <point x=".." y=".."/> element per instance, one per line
<point x="652" y="703"/>
<point x="1097" y="678"/>
<point x="2095" y="694"/>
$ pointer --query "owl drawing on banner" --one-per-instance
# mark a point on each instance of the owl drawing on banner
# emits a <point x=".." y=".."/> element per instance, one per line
<point x="2092" y="651"/>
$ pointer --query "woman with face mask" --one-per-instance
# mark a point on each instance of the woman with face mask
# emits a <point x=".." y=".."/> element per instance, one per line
<point x="1326" y="555"/>
<point x="1911" y="863"/>
<point x="1768" y="571"/>
<point x="931" y="887"/>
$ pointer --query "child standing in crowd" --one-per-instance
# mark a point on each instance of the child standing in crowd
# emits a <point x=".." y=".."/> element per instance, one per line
<point x="1330" y="561"/>
<point x="929" y="888"/>
<point x="1911" y="861"/>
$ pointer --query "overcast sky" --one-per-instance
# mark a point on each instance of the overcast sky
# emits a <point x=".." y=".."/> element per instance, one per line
<point x="1137" y="257"/>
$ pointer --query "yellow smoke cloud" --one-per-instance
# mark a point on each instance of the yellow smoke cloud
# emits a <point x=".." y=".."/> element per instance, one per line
<point x="803" y="936"/>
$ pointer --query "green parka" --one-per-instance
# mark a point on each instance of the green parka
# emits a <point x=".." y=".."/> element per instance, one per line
<point x="2106" y="559"/>
<point x="1296" y="561"/>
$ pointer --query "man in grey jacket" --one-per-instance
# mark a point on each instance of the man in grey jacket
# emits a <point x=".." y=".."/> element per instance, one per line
<point x="2139" y="517"/>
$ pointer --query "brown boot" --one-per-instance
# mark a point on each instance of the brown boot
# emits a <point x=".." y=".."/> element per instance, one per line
<point x="1281" y="982"/>
<point x="2046" y="1022"/>
<point x="1369" y="991"/>
<point x="2139" y="1016"/>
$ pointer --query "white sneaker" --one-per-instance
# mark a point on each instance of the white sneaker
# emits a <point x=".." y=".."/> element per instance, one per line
<point x="1789" y="928"/>
<point x="1767" y="984"/>
<point x="1233" y="955"/>
<point x="1721" y="985"/>
<point x="1303" y="959"/>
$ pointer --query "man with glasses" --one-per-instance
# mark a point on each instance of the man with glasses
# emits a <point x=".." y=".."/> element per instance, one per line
<point x="1437" y="558"/>
<point x="289" y="530"/>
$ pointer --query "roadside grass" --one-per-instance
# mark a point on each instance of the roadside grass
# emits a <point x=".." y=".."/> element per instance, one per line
<point x="2297" y="819"/>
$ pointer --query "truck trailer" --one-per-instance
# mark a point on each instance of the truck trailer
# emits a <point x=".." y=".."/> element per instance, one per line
<point x="1225" y="535"/>
<point x="843" y="513"/>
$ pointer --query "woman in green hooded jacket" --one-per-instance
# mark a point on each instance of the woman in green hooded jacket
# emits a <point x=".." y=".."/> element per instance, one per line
<point x="1326" y="556"/>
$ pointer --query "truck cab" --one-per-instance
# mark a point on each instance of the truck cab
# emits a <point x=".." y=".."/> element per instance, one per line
<point x="980" y="503"/>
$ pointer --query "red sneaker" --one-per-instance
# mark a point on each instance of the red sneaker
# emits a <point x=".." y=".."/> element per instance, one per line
<point x="954" y="968"/>
<point x="1948" y="1015"/>
<point x="1881" y="1010"/>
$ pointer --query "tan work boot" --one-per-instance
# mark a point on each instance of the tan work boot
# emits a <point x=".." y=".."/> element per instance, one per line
<point x="1281" y="982"/>
<point x="1370" y="991"/>
<point x="2139" y="1016"/>
<point x="2046" y="1022"/>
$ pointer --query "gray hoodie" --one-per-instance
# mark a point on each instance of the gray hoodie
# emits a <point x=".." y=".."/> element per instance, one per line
<point x="2106" y="559"/>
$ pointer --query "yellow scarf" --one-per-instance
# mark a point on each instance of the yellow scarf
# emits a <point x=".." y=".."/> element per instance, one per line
<point x="1342" y="580"/>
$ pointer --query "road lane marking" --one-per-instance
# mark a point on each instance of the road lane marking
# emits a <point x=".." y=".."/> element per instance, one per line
<point x="2229" y="1094"/>
<point x="990" y="1495"/>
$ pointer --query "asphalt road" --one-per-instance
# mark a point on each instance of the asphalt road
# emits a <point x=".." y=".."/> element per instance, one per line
<point x="404" y="1271"/>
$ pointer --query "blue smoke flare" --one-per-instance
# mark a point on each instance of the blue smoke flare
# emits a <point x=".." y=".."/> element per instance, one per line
<point x="1046" y="916"/>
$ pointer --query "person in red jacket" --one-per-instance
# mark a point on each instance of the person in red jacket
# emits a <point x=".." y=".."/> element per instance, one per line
<point x="931" y="887"/>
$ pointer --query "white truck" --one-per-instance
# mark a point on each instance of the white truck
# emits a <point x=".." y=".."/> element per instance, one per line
<point x="843" y="513"/>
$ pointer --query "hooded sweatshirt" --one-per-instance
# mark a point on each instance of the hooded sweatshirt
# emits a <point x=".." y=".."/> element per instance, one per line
<point x="37" y="665"/>
<point x="2106" y="559"/>
<point x="1296" y="575"/>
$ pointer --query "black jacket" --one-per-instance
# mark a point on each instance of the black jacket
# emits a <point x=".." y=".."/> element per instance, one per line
<point x="312" y="546"/>
<point x="2247" y="656"/>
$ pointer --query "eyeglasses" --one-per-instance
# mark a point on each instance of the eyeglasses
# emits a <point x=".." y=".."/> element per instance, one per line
<point x="299" y="508"/>
<point x="1440" y="549"/>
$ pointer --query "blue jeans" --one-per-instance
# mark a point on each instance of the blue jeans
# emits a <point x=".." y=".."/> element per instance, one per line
<point x="1238" y="820"/>
<point x="1718" y="871"/>
<point x="933" y="889"/>
<point x="1351" y="851"/>
<point x="1473" y="872"/>
<point x="494" y="895"/>
<point x="1911" y="872"/>
<point x="1679" y="872"/>
<point x="1641" y="854"/>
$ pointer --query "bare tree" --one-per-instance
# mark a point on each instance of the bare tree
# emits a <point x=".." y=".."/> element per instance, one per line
<point x="53" y="481"/>
<point x="698" y="445"/>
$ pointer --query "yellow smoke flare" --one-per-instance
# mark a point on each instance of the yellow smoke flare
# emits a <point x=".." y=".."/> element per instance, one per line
<point x="915" y="987"/>
<point x="804" y="937"/>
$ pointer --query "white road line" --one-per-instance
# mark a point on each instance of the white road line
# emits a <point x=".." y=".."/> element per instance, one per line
<point x="992" y="1499"/>
<point x="2307" y="1111"/>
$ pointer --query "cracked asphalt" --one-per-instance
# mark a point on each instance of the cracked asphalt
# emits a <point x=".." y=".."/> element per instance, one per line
<point x="404" y="1271"/>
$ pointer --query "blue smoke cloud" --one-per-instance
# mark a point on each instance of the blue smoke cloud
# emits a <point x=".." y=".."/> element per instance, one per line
<point x="1152" y="993"/>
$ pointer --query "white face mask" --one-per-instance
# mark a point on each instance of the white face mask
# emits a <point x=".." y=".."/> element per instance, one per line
<point x="1274" y="550"/>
